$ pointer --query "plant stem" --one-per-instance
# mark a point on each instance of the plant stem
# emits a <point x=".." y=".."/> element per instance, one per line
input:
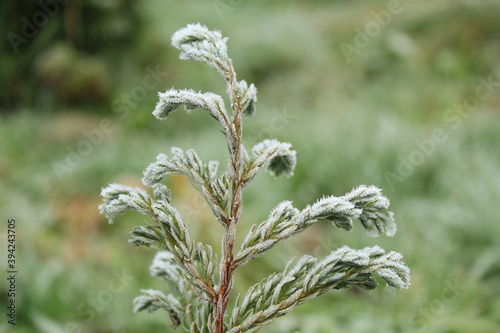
<point x="227" y="262"/>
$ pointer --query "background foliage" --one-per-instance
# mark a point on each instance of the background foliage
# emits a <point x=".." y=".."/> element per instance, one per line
<point x="368" y="118"/>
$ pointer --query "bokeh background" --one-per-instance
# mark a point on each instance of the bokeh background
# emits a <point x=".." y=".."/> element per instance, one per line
<point x="401" y="94"/>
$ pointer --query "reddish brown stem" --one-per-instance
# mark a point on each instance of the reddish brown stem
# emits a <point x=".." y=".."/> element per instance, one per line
<point x="227" y="263"/>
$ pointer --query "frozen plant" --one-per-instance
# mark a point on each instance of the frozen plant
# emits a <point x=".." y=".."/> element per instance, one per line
<point x="202" y="282"/>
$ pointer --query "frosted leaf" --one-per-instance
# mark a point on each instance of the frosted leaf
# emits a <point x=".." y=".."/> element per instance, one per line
<point x="157" y="170"/>
<point x="197" y="42"/>
<point x="309" y="277"/>
<point x="375" y="216"/>
<point x="365" y="203"/>
<point x="282" y="165"/>
<point x="118" y="198"/>
<point x="268" y="234"/>
<point x="152" y="300"/>
<point x="283" y="212"/>
<point x="203" y="310"/>
<point x="162" y="193"/>
<point x="204" y="178"/>
<point x="172" y="222"/>
<point x="163" y="266"/>
<point x="213" y="167"/>
<point x="147" y="236"/>
<point x="278" y="157"/>
<point x="333" y="209"/>
<point x="172" y="99"/>
<point x="247" y="97"/>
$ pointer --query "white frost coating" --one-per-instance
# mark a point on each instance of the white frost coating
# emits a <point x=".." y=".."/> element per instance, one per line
<point x="152" y="300"/>
<point x="375" y="217"/>
<point x="247" y="97"/>
<point x="215" y="189"/>
<point x="311" y="277"/>
<point x="118" y="198"/>
<point x="198" y="43"/>
<point x="163" y="266"/>
<point x="278" y="157"/>
<point x="147" y="236"/>
<point x="161" y="193"/>
<point x="337" y="210"/>
<point x="364" y="203"/>
<point x="213" y="167"/>
<point x="173" y="99"/>
<point x="157" y="170"/>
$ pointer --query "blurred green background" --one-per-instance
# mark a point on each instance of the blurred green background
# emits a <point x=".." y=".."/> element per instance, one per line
<point x="403" y="94"/>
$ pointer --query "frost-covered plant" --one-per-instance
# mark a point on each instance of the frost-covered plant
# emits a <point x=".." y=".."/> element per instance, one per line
<point x="203" y="283"/>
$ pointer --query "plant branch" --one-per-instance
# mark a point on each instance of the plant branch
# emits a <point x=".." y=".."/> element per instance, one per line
<point x="227" y="262"/>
